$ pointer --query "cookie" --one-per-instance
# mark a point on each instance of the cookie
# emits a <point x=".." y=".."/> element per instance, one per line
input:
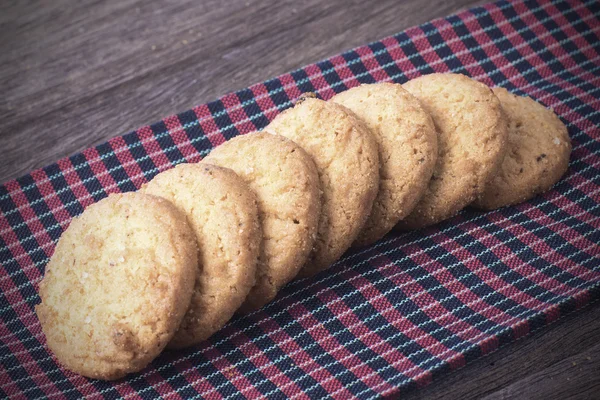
<point x="537" y="156"/>
<point x="346" y="155"/>
<point x="118" y="285"/>
<point x="472" y="134"/>
<point x="285" y="180"/>
<point x="407" y="151"/>
<point x="223" y="214"/>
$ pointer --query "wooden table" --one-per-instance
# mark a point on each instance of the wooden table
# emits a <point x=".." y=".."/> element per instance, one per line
<point x="74" y="74"/>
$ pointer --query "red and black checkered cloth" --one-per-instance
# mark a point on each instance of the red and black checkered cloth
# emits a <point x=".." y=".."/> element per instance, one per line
<point x="384" y="319"/>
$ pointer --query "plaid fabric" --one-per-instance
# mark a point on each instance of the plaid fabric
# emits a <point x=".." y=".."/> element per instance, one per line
<point x="382" y="319"/>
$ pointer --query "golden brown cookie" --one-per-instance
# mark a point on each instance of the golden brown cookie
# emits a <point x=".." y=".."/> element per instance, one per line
<point x="346" y="155"/>
<point x="223" y="213"/>
<point x="118" y="285"/>
<point x="537" y="157"/>
<point x="472" y="135"/>
<point x="286" y="182"/>
<point x="407" y="151"/>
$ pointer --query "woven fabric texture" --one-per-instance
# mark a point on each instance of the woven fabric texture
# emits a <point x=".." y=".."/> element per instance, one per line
<point x="383" y="319"/>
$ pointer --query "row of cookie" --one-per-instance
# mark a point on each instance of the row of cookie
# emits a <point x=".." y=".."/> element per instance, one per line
<point x="267" y="207"/>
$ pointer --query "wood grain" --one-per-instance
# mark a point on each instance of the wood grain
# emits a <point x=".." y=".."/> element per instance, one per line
<point x="561" y="361"/>
<point x="74" y="74"/>
<point x="581" y="371"/>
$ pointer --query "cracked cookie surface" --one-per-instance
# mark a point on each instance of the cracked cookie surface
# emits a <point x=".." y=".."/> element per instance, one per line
<point x="285" y="180"/>
<point x="118" y="285"/>
<point x="222" y="211"/>
<point x="472" y="135"/>
<point x="538" y="153"/>
<point x="346" y="155"/>
<point x="407" y="151"/>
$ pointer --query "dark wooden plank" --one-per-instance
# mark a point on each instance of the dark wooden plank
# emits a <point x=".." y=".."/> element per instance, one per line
<point x="576" y="377"/>
<point x="564" y="355"/>
<point x="74" y="74"/>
